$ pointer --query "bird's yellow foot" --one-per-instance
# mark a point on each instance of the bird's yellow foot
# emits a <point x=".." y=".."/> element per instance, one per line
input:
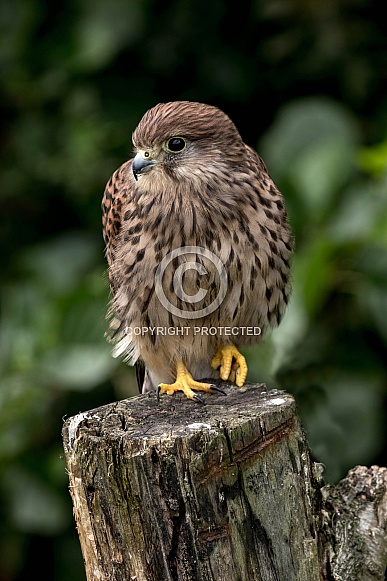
<point x="186" y="383"/>
<point x="230" y="371"/>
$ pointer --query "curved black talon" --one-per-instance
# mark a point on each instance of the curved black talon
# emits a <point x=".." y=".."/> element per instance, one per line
<point x="216" y="388"/>
<point x="158" y="389"/>
<point x="198" y="399"/>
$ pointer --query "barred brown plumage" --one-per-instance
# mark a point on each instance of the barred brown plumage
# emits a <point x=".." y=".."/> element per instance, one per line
<point x="211" y="203"/>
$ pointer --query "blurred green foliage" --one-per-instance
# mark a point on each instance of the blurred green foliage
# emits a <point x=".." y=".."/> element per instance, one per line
<point x="302" y="80"/>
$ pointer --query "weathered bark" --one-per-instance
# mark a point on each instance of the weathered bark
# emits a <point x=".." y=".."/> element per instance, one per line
<point x="357" y="507"/>
<point x="173" y="490"/>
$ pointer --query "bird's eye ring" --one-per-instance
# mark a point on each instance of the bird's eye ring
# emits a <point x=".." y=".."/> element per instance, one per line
<point x="176" y="144"/>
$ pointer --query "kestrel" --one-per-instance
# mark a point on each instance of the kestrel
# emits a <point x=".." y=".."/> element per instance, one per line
<point x="198" y="246"/>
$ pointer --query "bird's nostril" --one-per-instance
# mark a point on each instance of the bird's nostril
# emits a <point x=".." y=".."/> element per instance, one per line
<point x="142" y="163"/>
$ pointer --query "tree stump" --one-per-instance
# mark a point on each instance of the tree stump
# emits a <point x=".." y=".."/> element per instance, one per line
<point x="357" y="509"/>
<point x="174" y="490"/>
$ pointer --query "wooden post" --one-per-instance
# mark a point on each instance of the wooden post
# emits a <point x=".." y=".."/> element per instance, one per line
<point x="174" y="490"/>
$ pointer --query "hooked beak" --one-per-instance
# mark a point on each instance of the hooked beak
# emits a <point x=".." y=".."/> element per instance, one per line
<point x="141" y="164"/>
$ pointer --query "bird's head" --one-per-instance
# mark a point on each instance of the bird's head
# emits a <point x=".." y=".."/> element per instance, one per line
<point x="184" y="140"/>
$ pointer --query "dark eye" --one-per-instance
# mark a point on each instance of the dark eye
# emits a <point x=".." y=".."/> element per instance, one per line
<point x="176" y="144"/>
